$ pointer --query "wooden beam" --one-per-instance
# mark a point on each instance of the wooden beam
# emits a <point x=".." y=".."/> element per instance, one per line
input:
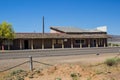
<point x="53" y="43"/>
<point x="62" y="43"/>
<point x="32" y="44"/>
<point x="104" y="42"/>
<point x="71" y="43"/>
<point x="88" y="42"/>
<point x="20" y="44"/>
<point x="80" y="44"/>
<point x="96" y="42"/>
<point x="42" y="43"/>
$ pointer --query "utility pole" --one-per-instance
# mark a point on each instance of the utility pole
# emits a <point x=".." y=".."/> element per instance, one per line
<point x="43" y="24"/>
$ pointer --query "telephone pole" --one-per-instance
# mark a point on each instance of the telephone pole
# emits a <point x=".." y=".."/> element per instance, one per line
<point x="43" y="24"/>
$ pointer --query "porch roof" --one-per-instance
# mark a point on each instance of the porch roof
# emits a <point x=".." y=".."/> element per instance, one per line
<point x="57" y="35"/>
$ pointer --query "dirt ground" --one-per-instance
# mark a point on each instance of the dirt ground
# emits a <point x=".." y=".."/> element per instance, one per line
<point x="64" y="66"/>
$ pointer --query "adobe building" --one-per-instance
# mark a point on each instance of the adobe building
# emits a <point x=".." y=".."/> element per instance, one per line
<point x="60" y="37"/>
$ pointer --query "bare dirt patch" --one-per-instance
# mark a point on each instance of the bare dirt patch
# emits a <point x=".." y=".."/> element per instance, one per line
<point x="77" y="67"/>
<point x="78" y="72"/>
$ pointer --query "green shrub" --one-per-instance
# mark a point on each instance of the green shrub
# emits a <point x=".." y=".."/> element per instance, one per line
<point x="74" y="76"/>
<point x="16" y="75"/>
<point x="109" y="44"/>
<point x="116" y="45"/>
<point x="58" y="79"/>
<point x="112" y="61"/>
<point x="16" y="72"/>
<point x="118" y="60"/>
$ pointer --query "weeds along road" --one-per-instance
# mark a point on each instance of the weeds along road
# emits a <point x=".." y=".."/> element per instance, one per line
<point x="14" y="54"/>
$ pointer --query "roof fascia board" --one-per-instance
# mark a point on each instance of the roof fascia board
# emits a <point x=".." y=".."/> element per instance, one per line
<point x="57" y="30"/>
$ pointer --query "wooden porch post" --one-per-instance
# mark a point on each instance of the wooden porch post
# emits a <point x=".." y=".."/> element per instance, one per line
<point x="53" y="44"/>
<point x="20" y="44"/>
<point x="96" y="42"/>
<point x="42" y="43"/>
<point x="71" y="43"/>
<point x="104" y="42"/>
<point x="88" y="42"/>
<point x="8" y="44"/>
<point x="111" y="45"/>
<point x="62" y="44"/>
<point x="32" y="44"/>
<point x="80" y="44"/>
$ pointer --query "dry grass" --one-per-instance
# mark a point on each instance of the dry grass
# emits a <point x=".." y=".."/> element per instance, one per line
<point x="83" y="67"/>
<point x="69" y="72"/>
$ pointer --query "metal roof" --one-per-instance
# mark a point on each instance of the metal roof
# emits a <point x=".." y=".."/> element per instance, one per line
<point x="73" y="29"/>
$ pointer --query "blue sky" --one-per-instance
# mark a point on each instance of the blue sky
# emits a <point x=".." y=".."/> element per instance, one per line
<point x="26" y="15"/>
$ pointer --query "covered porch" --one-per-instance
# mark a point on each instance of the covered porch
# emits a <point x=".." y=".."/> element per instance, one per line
<point x="53" y="41"/>
<point x="58" y="43"/>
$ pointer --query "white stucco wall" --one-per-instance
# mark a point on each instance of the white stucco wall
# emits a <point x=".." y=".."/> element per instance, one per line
<point x="53" y="31"/>
<point x="102" y="28"/>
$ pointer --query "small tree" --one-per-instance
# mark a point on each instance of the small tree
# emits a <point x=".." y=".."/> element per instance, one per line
<point x="6" y="33"/>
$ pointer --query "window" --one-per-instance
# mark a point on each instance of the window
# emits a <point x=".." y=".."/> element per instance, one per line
<point x="77" y="41"/>
<point x="54" y="41"/>
<point x="82" y="41"/>
<point x="59" y="41"/>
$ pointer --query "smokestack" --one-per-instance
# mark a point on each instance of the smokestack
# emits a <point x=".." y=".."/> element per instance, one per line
<point x="43" y="24"/>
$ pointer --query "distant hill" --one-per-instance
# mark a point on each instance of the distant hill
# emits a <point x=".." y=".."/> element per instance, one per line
<point x="114" y="39"/>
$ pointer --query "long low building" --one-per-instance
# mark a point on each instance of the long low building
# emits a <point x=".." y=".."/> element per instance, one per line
<point x="59" y="37"/>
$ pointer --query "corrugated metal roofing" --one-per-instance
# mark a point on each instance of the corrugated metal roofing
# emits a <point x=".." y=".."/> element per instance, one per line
<point x="73" y="29"/>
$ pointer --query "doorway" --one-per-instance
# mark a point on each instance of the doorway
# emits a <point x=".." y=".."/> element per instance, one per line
<point x="92" y="43"/>
<point x="25" y="44"/>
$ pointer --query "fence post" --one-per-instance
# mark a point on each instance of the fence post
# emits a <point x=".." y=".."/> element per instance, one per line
<point x="31" y="63"/>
